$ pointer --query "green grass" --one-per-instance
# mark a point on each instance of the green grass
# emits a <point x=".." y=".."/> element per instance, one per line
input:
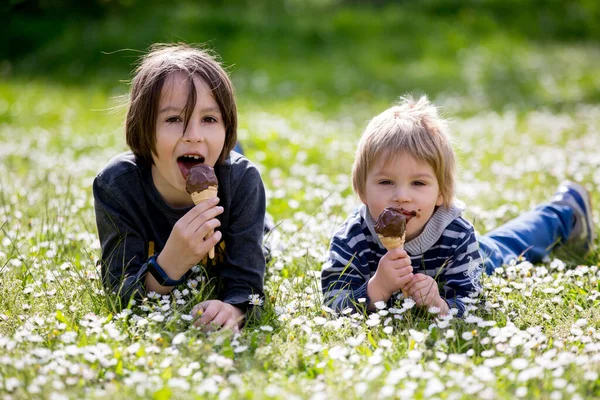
<point x="522" y="101"/>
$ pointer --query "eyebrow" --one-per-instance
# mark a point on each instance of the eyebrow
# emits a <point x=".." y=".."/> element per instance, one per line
<point x="380" y="173"/>
<point x="180" y="109"/>
<point x="423" y="176"/>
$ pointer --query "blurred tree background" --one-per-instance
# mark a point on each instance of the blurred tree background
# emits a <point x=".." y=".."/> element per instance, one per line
<point x="324" y="54"/>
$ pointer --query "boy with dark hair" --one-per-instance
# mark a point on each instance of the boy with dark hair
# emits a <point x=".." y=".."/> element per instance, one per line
<point x="182" y="112"/>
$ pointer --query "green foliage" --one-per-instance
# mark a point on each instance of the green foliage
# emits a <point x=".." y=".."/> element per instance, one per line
<point x="519" y="86"/>
<point x="326" y="54"/>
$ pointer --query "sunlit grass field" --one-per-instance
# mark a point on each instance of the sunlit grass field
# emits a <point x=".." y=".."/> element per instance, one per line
<point x="534" y="332"/>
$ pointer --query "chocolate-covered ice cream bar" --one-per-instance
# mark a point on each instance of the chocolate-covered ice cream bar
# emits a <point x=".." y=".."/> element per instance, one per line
<point x="200" y="178"/>
<point x="391" y="223"/>
<point x="202" y="184"/>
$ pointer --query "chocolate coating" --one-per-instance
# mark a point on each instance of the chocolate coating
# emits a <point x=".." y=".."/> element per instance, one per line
<point x="391" y="223"/>
<point x="201" y="176"/>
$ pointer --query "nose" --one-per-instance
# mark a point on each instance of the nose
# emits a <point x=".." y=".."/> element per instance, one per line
<point x="401" y="195"/>
<point x="193" y="133"/>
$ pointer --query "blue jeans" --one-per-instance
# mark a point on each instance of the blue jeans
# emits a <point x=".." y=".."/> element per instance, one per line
<point x="533" y="235"/>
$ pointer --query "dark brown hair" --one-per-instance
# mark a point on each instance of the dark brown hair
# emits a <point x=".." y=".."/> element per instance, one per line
<point x="154" y="68"/>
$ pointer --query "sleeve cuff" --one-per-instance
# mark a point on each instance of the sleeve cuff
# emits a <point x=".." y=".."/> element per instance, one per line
<point x="455" y="303"/>
<point x="352" y="300"/>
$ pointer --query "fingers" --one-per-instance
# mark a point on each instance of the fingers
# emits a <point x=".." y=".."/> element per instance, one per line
<point x="396" y="254"/>
<point x="402" y="281"/>
<point x="395" y="264"/>
<point x="423" y="292"/>
<point x="197" y="311"/>
<point x="204" y="312"/>
<point x="403" y="275"/>
<point x="417" y="278"/>
<point x="392" y="275"/>
<point x="203" y="206"/>
<point x="210" y="309"/>
<point x="201" y="218"/>
<point x="214" y="314"/>
<point x="203" y="211"/>
<point x="209" y="242"/>
<point x="403" y="269"/>
<point x="217" y="322"/>
<point x="206" y="221"/>
<point x="232" y="324"/>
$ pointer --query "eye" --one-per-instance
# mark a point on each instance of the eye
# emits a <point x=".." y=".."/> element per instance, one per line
<point x="419" y="183"/>
<point x="386" y="182"/>
<point x="173" y="119"/>
<point x="209" y="120"/>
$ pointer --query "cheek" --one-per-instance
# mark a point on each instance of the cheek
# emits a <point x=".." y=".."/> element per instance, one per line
<point x="222" y="140"/>
<point x="161" y="144"/>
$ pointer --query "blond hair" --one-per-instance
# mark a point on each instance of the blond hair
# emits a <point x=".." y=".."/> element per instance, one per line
<point x="413" y="127"/>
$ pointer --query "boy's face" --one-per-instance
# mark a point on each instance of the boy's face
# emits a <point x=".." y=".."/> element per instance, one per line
<point x="403" y="182"/>
<point x="178" y="151"/>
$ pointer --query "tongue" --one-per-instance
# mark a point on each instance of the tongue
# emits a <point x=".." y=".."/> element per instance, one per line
<point x="186" y="165"/>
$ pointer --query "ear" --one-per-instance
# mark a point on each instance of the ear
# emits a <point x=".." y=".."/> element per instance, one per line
<point x="440" y="200"/>
<point x="362" y="198"/>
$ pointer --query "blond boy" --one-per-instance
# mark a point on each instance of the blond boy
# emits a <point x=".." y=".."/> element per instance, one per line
<point x="405" y="160"/>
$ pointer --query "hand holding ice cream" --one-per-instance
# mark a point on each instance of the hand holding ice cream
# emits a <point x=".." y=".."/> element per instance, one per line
<point x="391" y="229"/>
<point x="202" y="184"/>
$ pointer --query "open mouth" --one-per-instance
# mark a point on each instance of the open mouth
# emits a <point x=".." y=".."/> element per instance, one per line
<point x="187" y="162"/>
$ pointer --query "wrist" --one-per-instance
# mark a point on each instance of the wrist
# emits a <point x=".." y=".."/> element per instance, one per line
<point x="442" y="305"/>
<point x="377" y="292"/>
<point x="171" y="268"/>
<point x="162" y="276"/>
<point x="238" y="309"/>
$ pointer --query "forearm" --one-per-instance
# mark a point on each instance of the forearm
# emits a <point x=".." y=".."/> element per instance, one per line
<point x="346" y="273"/>
<point x="243" y="268"/>
<point x="126" y="285"/>
<point x="340" y="294"/>
<point x="171" y="268"/>
<point x="238" y="293"/>
<point x="153" y="286"/>
<point x="124" y="251"/>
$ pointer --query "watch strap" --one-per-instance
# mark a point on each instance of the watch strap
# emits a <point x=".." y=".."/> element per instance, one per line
<point x="161" y="276"/>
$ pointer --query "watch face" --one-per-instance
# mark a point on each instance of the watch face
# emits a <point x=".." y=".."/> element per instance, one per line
<point x="157" y="272"/>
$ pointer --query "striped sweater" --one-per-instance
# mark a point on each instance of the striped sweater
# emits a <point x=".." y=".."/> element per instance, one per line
<point x="447" y="250"/>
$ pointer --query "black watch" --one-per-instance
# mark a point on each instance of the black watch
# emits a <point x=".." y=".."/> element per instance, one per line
<point x="161" y="276"/>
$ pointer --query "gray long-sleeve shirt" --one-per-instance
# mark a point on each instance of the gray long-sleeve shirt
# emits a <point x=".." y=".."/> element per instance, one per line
<point x="133" y="220"/>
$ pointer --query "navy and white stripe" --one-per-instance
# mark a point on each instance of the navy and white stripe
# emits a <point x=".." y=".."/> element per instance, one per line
<point x="447" y="250"/>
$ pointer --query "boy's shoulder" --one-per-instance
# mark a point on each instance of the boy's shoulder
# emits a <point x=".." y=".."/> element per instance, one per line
<point x="354" y="229"/>
<point x="119" y="166"/>
<point x="236" y="167"/>
<point x="356" y="219"/>
<point x="237" y="161"/>
<point x="457" y="226"/>
<point x="460" y="224"/>
<point x="446" y="227"/>
<point x="452" y="218"/>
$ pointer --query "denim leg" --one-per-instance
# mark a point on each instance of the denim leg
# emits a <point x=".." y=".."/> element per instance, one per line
<point x="532" y="235"/>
